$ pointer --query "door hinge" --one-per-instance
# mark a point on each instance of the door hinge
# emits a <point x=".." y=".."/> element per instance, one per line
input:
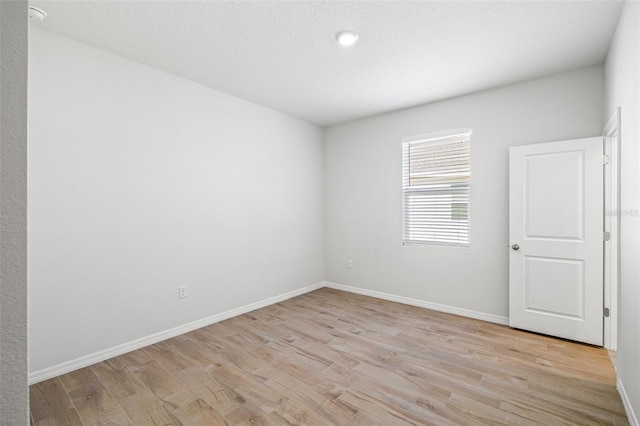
<point x="606" y="312"/>
<point x="607" y="235"/>
<point x="605" y="159"/>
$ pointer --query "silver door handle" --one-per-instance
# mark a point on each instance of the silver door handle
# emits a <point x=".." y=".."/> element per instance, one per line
<point x="515" y="247"/>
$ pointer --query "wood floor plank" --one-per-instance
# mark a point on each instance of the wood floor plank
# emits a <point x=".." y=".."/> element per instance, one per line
<point x="201" y="354"/>
<point x="164" y="386"/>
<point x="247" y="387"/>
<point x="68" y="417"/>
<point x="621" y="420"/>
<point x="249" y="415"/>
<point x="78" y="379"/>
<point x="383" y="413"/>
<point x="475" y="411"/>
<point x="117" y="378"/>
<point x="48" y="398"/>
<point x="96" y="406"/>
<point x="201" y="383"/>
<point x="171" y="359"/>
<point x="146" y="410"/>
<point x="334" y="358"/>
<point x="198" y="412"/>
<point x="602" y="396"/>
<point x="305" y="394"/>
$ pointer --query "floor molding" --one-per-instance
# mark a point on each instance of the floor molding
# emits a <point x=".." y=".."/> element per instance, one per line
<point x="631" y="415"/>
<point x="422" y="304"/>
<point x="84" y="361"/>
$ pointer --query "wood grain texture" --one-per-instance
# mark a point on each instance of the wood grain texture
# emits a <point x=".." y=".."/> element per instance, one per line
<point x="335" y="358"/>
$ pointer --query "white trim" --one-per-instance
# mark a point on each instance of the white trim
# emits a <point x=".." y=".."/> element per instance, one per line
<point x="422" y="304"/>
<point x="432" y="137"/>
<point x="631" y="415"/>
<point x="84" y="361"/>
<point x="611" y="133"/>
<point x="613" y="124"/>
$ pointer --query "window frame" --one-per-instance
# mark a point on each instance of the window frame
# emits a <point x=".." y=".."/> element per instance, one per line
<point x="452" y="136"/>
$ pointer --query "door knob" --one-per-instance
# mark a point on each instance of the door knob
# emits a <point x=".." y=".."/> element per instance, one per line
<point x="515" y="247"/>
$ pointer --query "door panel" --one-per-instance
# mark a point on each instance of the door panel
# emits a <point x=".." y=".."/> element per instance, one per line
<point x="564" y="278"/>
<point x="556" y="221"/>
<point x="554" y="197"/>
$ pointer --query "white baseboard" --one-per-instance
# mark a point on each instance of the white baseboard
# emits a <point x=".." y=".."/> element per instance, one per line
<point x="422" y="304"/>
<point x="631" y="415"/>
<point x="84" y="361"/>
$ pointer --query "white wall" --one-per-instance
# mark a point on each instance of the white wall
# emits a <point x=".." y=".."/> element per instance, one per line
<point x="141" y="181"/>
<point x="14" y="397"/>
<point x="622" y="82"/>
<point x="364" y="198"/>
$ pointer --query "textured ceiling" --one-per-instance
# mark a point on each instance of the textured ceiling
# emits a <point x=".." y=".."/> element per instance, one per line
<point x="283" y="55"/>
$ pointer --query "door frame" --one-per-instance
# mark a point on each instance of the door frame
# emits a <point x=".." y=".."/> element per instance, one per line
<point x="611" y="279"/>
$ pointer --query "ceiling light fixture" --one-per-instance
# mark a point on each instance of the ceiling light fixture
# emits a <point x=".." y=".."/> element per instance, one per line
<point x="346" y="38"/>
<point x="37" y="13"/>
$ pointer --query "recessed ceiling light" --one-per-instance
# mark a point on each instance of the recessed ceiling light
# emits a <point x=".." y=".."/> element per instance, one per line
<point x="347" y="38"/>
<point x="37" y="13"/>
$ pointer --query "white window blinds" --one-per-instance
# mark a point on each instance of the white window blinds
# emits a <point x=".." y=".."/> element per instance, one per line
<point x="435" y="184"/>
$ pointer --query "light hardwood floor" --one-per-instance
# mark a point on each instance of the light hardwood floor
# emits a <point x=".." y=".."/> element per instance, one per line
<point x="334" y="358"/>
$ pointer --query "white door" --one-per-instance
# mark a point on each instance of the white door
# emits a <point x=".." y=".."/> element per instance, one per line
<point x="556" y="238"/>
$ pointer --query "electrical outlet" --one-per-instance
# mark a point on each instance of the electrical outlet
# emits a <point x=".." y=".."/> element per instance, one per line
<point x="182" y="292"/>
<point x="349" y="264"/>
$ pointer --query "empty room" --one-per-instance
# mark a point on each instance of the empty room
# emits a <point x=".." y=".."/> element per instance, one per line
<point x="319" y="212"/>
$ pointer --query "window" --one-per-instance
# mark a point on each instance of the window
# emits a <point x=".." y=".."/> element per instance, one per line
<point x="435" y="189"/>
